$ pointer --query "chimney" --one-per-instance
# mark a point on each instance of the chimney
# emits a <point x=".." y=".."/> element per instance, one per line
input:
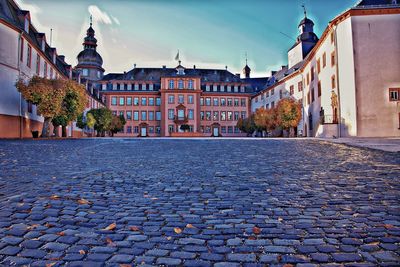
<point x="237" y="75"/>
<point x="194" y="67"/>
<point x="164" y="67"/>
<point x="134" y="66"/>
<point x="226" y="67"/>
<point x="62" y="57"/>
<point x="283" y="67"/>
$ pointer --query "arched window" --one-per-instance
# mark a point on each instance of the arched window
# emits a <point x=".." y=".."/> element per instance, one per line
<point x="180" y="84"/>
<point x="171" y="84"/>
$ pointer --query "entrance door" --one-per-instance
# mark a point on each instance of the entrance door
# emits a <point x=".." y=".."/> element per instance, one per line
<point x="143" y="132"/>
<point x="215" y="132"/>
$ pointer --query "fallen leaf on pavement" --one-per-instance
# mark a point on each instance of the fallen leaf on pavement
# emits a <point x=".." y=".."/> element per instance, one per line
<point x="111" y="227"/>
<point x="256" y="230"/>
<point x="83" y="201"/>
<point x="189" y="225"/>
<point x="134" y="228"/>
<point x="82" y="252"/>
<point x="177" y="230"/>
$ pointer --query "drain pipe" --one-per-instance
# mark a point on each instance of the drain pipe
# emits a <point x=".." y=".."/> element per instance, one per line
<point x="337" y="85"/>
<point x="19" y="75"/>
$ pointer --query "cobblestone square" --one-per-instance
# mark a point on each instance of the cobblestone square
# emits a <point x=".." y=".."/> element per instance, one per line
<point x="111" y="202"/>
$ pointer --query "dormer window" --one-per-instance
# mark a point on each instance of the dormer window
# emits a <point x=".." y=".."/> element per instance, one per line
<point x="85" y="72"/>
<point x="180" y="84"/>
<point x="26" y="25"/>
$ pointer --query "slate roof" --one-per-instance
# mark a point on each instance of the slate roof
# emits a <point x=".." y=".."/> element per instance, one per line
<point x="12" y="14"/>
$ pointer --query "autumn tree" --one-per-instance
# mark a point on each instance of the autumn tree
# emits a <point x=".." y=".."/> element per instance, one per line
<point x="117" y="124"/>
<point x="288" y="113"/>
<point x="265" y="119"/>
<point x="85" y="121"/>
<point x="46" y="94"/>
<point x="73" y="104"/>
<point x="103" y="118"/>
<point x="246" y="125"/>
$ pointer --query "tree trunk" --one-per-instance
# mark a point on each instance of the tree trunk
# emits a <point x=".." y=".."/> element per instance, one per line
<point x="55" y="130"/>
<point x="46" y="127"/>
<point x="64" y="131"/>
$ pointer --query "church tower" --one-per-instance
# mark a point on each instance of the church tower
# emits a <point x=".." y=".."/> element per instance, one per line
<point x="89" y="61"/>
<point x="305" y="42"/>
<point x="246" y="70"/>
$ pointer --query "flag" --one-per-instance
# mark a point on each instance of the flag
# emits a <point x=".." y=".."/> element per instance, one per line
<point x="177" y="56"/>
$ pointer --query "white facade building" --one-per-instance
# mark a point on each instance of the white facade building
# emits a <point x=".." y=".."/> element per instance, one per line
<point x="349" y="82"/>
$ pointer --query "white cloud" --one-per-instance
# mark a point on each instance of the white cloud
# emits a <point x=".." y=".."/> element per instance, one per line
<point x="116" y="20"/>
<point x="99" y="15"/>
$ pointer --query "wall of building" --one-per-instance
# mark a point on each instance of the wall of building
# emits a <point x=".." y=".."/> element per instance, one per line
<point x="376" y="41"/>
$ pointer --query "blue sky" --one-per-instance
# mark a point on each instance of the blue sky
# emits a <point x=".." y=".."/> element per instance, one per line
<point x="208" y="33"/>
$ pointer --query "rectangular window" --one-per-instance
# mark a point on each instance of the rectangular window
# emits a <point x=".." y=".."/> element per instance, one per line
<point x="300" y="86"/>
<point x="243" y="114"/>
<point x="291" y="90"/>
<point x="121" y="113"/>
<point x="129" y="129"/>
<point x="201" y="101"/>
<point x="171" y="99"/>
<point x="312" y="73"/>
<point x="170" y="128"/>
<point x="333" y="81"/>
<point x="208" y="129"/>
<point x="170" y="114"/>
<point x="202" y="115"/>
<point x="45" y="70"/>
<point x="215" y="101"/>
<point x="21" y="56"/>
<point x="312" y="95"/>
<point x="208" y="88"/>
<point x="333" y="59"/>
<point x="114" y="112"/>
<point x="122" y="101"/>
<point x="151" y="129"/>
<point x="29" y="56"/>
<point x="215" y="115"/>
<point x="136" y="129"/>
<point x="272" y="104"/>
<point x="319" y="65"/>
<point x="229" y="102"/>
<point x="208" y="115"/>
<point x="190" y="114"/>
<point x="114" y="101"/>
<point x="243" y="102"/>
<point x="324" y="60"/>
<point x="158" y="130"/>
<point x="129" y="115"/>
<point x="267" y="94"/>
<point x="236" y="115"/>
<point x="280" y="94"/>
<point x="129" y="101"/>
<point x="151" y="101"/>
<point x="51" y="73"/>
<point x="223" y="129"/>
<point x="151" y="115"/>
<point x="308" y="78"/>
<point x="151" y="87"/>
<point x="222" y="88"/>
<point x="223" y="102"/>
<point x="332" y="37"/>
<point x="208" y="101"/>
<point x="394" y="94"/>
<point x="190" y="99"/>
<point x="38" y="64"/>
<point x="229" y="88"/>
<point x="272" y="91"/>
<point x="144" y="87"/>
<point x="158" y="115"/>
<point x="214" y="88"/>
<point x="181" y="99"/>
<point x="136" y="101"/>
<point x="136" y="87"/>
<point x="230" y="117"/>
<point x="230" y="129"/>
<point x="144" y="101"/>
<point x="136" y="115"/>
<point x="143" y="115"/>
<point x="319" y="88"/>
<point x="223" y="116"/>
<point x="236" y="102"/>
<point x="236" y="130"/>
<point x="158" y="101"/>
<point x="171" y="84"/>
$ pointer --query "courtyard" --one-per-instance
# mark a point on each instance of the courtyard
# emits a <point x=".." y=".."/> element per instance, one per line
<point x="126" y="202"/>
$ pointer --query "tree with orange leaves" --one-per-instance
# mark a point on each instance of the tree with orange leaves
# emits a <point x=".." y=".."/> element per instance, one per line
<point x="265" y="119"/>
<point x="46" y="94"/>
<point x="288" y="113"/>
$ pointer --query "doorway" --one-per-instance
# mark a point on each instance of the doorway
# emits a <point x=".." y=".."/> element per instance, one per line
<point x="215" y="131"/>
<point x="143" y="132"/>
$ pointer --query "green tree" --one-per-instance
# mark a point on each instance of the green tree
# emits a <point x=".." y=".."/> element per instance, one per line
<point x="90" y="121"/>
<point x="57" y="121"/>
<point x="80" y="121"/>
<point x="288" y="112"/>
<point x="46" y="94"/>
<point x="117" y="124"/>
<point x="103" y="118"/>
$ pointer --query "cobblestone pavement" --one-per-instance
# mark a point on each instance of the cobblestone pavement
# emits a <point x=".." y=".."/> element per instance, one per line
<point x="115" y="202"/>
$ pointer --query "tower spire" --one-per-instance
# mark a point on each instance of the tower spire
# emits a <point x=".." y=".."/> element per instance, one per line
<point x="246" y="57"/>
<point x="91" y="20"/>
<point x="305" y="11"/>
